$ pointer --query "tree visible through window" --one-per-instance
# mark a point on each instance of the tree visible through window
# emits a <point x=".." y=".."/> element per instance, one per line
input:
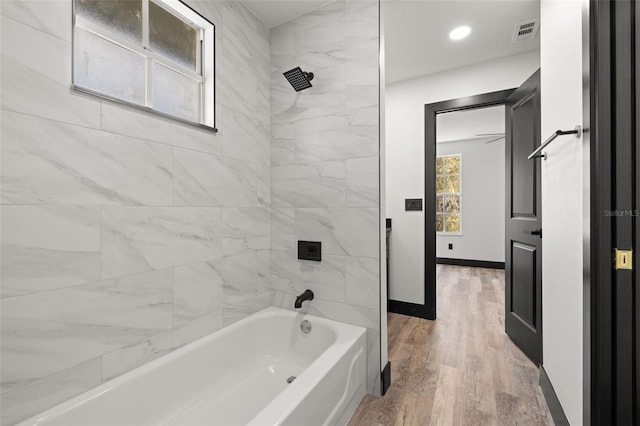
<point x="155" y="54"/>
<point x="448" y="198"/>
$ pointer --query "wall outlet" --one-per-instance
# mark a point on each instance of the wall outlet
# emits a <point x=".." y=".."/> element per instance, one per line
<point x="450" y="246"/>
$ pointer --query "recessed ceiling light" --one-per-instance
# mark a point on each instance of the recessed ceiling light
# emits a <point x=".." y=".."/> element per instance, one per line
<point x="460" y="32"/>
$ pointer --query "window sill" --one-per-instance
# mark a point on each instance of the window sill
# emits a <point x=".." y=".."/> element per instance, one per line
<point x="144" y="108"/>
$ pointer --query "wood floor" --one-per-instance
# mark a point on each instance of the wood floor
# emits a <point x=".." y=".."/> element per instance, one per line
<point x="461" y="369"/>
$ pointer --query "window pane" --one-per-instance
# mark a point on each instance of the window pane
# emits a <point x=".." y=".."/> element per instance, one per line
<point x="172" y="38"/>
<point x="108" y="68"/>
<point x="452" y="184"/>
<point x="123" y="17"/>
<point x="451" y="204"/>
<point x="439" y="204"/>
<point x="439" y="223"/>
<point x="175" y="94"/>
<point x="439" y="165"/>
<point x="452" y="223"/>
<point x="452" y="165"/>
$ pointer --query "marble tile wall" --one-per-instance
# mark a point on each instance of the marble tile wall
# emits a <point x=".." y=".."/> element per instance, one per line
<point x="124" y="235"/>
<point x="325" y="167"/>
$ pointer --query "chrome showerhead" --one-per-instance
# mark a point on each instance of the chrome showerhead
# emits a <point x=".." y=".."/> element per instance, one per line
<point x="299" y="79"/>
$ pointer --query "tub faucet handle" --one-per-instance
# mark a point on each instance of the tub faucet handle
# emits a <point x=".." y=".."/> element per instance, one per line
<point x="307" y="295"/>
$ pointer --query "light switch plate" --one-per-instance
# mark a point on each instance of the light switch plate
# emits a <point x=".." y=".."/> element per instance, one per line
<point x="413" y="204"/>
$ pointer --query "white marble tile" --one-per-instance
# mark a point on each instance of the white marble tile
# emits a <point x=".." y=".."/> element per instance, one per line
<point x="282" y="144"/>
<point x="245" y="228"/>
<point x="50" y="162"/>
<point x="199" y="179"/>
<point x="245" y="138"/>
<point x="197" y="291"/>
<point x="36" y="74"/>
<point x="142" y="302"/>
<point x="353" y="5"/>
<point x="283" y="228"/>
<point x="138" y="239"/>
<point x="347" y="38"/>
<point x="243" y="307"/>
<point x="309" y="185"/>
<point x="330" y="11"/>
<point x="362" y="84"/>
<point x="237" y="86"/>
<point x="38" y="396"/>
<point x="362" y="182"/>
<point x="52" y="17"/>
<point x="264" y="103"/>
<point x="27" y="91"/>
<point x="246" y="283"/>
<point x="326" y="278"/>
<point x="245" y="38"/>
<point x="263" y="183"/>
<point x="363" y="282"/>
<point x="327" y="96"/>
<point x="33" y="349"/>
<point x="361" y="26"/>
<point x="139" y="124"/>
<point x="36" y="50"/>
<point x="245" y="274"/>
<point x="283" y="55"/>
<point x="374" y="367"/>
<point x="129" y="357"/>
<point x="47" y="247"/>
<point x="337" y="136"/>
<point x="208" y="180"/>
<point x="343" y="231"/>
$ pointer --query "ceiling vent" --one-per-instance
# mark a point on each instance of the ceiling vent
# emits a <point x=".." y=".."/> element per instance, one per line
<point x="526" y="30"/>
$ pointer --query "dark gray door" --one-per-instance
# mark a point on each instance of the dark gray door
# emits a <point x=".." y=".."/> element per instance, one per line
<point x="523" y="256"/>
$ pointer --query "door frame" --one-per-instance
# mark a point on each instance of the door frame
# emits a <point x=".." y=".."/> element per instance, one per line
<point x="611" y="103"/>
<point x="428" y="309"/>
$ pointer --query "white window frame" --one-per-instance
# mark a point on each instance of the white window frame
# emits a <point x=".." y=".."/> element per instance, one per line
<point x="205" y="59"/>
<point x="444" y="194"/>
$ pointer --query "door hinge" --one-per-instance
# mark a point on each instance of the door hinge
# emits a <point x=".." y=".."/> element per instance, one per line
<point x="623" y="259"/>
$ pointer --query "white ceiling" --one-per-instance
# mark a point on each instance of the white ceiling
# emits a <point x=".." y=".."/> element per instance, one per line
<point x="417" y="31"/>
<point x="275" y="12"/>
<point x="417" y="34"/>
<point x="468" y="124"/>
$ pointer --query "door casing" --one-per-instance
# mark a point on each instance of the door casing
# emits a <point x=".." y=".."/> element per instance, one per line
<point x="611" y="47"/>
<point x="428" y="310"/>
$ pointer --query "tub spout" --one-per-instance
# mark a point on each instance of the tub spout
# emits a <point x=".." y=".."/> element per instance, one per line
<point x="307" y="295"/>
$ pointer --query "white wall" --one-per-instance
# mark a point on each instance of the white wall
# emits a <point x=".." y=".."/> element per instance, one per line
<point x="561" y="97"/>
<point x="483" y="191"/>
<point x="405" y="155"/>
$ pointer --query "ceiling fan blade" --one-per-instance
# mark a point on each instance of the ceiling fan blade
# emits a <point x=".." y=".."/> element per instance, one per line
<point x="496" y="139"/>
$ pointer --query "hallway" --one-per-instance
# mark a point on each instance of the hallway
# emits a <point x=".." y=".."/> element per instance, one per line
<point x="461" y="369"/>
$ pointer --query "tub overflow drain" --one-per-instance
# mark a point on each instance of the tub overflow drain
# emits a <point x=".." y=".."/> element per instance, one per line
<point x="291" y="379"/>
<point x="305" y="326"/>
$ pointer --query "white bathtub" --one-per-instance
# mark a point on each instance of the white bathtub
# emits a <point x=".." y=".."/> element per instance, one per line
<point x="235" y="376"/>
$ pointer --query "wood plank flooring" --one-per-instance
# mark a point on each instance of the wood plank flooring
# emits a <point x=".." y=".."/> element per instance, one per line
<point x="461" y="369"/>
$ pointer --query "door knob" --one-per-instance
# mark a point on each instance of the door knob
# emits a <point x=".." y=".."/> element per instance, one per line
<point x="537" y="232"/>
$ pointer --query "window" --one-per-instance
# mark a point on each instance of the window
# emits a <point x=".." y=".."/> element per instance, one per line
<point x="448" y="198"/>
<point x="153" y="54"/>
